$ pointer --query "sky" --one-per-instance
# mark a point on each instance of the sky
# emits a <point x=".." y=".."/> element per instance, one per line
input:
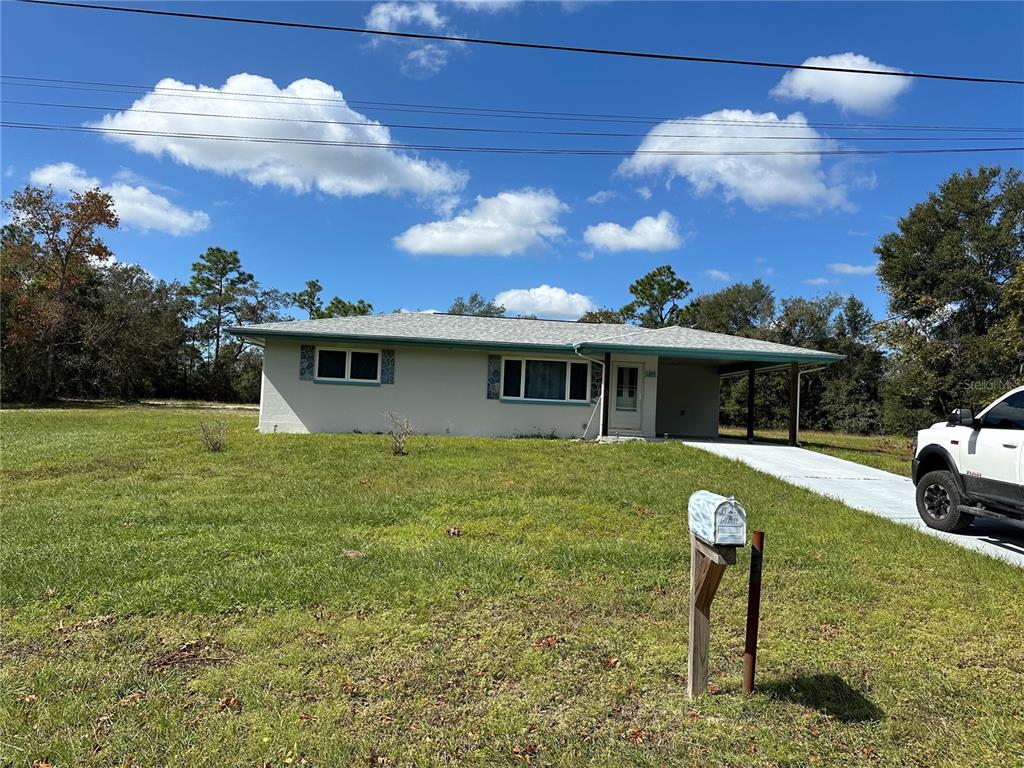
<point x="551" y="235"/>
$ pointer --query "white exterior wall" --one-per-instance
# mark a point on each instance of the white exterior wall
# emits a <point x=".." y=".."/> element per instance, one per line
<point x="441" y="390"/>
<point x="688" y="399"/>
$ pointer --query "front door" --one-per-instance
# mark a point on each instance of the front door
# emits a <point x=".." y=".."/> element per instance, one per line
<point x="626" y="411"/>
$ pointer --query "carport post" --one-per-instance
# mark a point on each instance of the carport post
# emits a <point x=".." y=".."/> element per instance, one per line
<point x="750" y="404"/>
<point x="794" y="400"/>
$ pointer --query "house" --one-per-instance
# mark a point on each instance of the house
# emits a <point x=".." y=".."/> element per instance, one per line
<point x="464" y="375"/>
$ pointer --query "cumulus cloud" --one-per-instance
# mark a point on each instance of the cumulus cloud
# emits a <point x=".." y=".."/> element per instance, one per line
<point x="509" y="223"/>
<point x="389" y="16"/>
<point x="545" y="301"/>
<point x="487" y="6"/>
<point x="137" y="206"/>
<point x="843" y="268"/>
<point x="759" y="181"/>
<point x="425" y="61"/>
<point x="717" y="274"/>
<point x="651" y="233"/>
<point x="334" y="170"/>
<point x="850" y="91"/>
<point x="817" y="281"/>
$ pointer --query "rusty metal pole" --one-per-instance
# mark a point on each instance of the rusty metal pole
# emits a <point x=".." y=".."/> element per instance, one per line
<point x="753" y="610"/>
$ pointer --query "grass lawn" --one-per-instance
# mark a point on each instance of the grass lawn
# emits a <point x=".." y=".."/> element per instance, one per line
<point x="893" y="454"/>
<point x="299" y="598"/>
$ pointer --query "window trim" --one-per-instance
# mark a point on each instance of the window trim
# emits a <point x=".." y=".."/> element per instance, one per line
<point x="521" y="398"/>
<point x="347" y="379"/>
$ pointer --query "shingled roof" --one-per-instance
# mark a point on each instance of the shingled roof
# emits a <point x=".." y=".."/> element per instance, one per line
<point x="444" y="330"/>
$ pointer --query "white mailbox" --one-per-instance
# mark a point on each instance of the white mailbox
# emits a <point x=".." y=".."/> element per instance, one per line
<point x="718" y="520"/>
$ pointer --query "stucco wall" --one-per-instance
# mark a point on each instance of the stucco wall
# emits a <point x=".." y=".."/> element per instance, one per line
<point x="688" y="399"/>
<point x="442" y="391"/>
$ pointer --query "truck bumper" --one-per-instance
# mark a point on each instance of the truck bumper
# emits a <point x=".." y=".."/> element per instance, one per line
<point x="914" y="466"/>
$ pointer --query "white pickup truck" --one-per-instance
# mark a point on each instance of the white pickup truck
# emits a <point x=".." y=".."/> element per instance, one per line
<point x="972" y="466"/>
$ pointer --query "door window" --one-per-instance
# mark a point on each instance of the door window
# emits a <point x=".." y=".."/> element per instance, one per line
<point x="1007" y="414"/>
<point x="625" y="388"/>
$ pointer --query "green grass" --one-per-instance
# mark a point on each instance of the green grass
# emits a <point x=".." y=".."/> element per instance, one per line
<point x="299" y="597"/>
<point x="893" y="454"/>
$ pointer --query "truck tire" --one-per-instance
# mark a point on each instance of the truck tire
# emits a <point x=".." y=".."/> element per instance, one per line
<point x="938" y="499"/>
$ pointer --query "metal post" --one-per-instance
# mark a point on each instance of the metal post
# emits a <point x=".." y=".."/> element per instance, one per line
<point x="750" y="404"/>
<point x="753" y="610"/>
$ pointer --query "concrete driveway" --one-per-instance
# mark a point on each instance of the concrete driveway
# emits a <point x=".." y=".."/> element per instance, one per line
<point x="871" y="490"/>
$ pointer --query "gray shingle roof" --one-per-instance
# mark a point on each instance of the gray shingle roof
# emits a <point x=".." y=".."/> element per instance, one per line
<point x="464" y="330"/>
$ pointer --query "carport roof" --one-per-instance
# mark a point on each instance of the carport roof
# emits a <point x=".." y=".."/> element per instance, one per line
<point x="444" y="330"/>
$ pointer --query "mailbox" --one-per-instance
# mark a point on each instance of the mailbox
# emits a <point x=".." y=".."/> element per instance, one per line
<point x="718" y="520"/>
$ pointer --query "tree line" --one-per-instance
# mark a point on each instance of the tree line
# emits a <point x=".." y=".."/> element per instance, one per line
<point x="76" y="323"/>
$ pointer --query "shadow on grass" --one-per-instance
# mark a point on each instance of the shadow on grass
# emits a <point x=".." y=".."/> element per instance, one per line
<point x="829" y="694"/>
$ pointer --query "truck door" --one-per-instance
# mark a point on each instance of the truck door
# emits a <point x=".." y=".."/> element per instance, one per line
<point x="991" y="461"/>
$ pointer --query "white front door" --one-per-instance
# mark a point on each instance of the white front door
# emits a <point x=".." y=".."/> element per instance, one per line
<point x="625" y="412"/>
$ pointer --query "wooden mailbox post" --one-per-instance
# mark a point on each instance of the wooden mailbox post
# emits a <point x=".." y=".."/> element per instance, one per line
<point x="717" y="527"/>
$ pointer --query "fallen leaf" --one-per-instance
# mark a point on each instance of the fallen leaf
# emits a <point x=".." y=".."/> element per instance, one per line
<point x="232" y="703"/>
<point x="454" y="532"/>
<point x="612" y="662"/>
<point x="636" y="735"/>
<point x="548" y="641"/>
<point x="354" y="554"/>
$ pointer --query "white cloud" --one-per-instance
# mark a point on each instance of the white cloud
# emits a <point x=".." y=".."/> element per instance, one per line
<point x="487" y="6"/>
<point x="545" y="301"/>
<point x="717" y="274"/>
<point x="817" y="281"/>
<point x="425" y="61"/>
<point x="857" y="232"/>
<point x="391" y="15"/>
<point x="334" y="170"/>
<point x="601" y="197"/>
<point x="758" y="180"/>
<point x="842" y="268"/>
<point x="137" y="206"/>
<point x="509" y="223"/>
<point x="651" y="233"/>
<point x="644" y="192"/>
<point x="854" y="92"/>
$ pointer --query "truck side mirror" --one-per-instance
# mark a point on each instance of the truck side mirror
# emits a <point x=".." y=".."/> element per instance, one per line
<point x="962" y="417"/>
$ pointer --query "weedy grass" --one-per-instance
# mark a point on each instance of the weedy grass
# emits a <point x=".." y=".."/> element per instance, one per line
<point x="300" y="598"/>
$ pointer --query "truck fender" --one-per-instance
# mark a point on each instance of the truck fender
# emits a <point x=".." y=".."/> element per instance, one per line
<point x="929" y="459"/>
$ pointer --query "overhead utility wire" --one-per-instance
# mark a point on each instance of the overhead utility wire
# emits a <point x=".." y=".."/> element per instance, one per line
<point x="517" y="44"/>
<point x="497" y="150"/>
<point x="80" y="85"/>
<point x="512" y="131"/>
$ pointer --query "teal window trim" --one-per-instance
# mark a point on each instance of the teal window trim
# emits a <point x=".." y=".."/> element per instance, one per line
<point x="539" y="401"/>
<point x="348" y="382"/>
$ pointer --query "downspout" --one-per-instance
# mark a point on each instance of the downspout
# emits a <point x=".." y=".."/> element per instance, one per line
<point x="599" y="408"/>
<point x="798" y="385"/>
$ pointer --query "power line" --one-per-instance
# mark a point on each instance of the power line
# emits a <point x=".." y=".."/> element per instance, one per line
<point x="386" y="106"/>
<point x="496" y="150"/>
<point x="504" y="131"/>
<point x="517" y="44"/>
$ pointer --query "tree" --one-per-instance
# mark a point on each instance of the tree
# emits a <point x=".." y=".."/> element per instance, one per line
<point x="947" y="270"/>
<point x="744" y="309"/>
<point x="221" y="291"/>
<point x="476" y="305"/>
<point x="655" y="298"/>
<point x="308" y="299"/>
<point x="54" y="246"/>
<point x="338" y="307"/>
<point x="603" y="315"/>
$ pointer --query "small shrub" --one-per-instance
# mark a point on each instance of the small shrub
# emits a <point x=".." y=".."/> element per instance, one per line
<point x="212" y="435"/>
<point x="401" y="429"/>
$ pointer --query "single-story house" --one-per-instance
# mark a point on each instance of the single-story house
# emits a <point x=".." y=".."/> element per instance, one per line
<point x="463" y="375"/>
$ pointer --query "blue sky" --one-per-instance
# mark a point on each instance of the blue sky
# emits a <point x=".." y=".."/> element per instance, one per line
<point x="412" y="230"/>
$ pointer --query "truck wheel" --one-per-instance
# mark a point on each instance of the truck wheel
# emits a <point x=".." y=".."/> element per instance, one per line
<point x="938" y="498"/>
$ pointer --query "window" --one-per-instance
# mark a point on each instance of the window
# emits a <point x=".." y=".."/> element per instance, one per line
<point x="1008" y="414"/>
<point x="558" y="380"/>
<point x="347" y="365"/>
<point x="625" y="388"/>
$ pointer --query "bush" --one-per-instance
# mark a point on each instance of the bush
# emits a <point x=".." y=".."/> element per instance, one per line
<point x="212" y="435"/>
<point x="401" y="429"/>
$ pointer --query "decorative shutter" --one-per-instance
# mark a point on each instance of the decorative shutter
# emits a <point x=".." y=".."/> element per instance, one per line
<point x="307" y="362"/>
<point x="493" y="377"/>
<point x="387" y="366"/>
<point x="595" y="382"/>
